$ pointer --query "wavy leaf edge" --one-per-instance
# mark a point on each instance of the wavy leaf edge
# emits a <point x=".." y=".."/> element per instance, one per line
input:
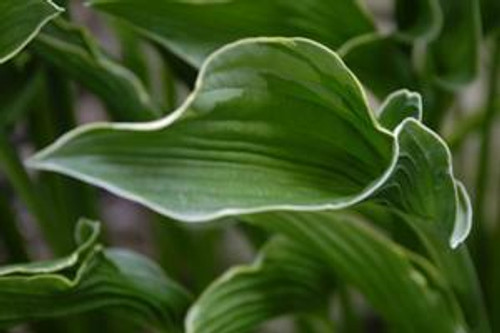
<point x="458" y="235"/>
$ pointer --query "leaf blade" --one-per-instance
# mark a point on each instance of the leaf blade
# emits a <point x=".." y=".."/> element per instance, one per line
<point x="91" y="278"/>
<point x="71" y="50"/>
<point x="21" y="22"/>
<point x="182" y="26"/>
<point x="256" y="292"/>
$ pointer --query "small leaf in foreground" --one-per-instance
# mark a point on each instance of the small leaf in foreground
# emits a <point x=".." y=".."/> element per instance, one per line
<point x="88" y="279"/>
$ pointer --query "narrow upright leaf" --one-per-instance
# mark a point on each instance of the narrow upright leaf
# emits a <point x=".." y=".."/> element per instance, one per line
<point x="71" y="50"/>
<point x="18" y="88"/>
<point x="20" y="21"/>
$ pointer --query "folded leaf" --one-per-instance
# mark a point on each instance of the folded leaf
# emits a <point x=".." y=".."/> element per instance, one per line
<point x="235" y="146"/>
<point x="71" y="50"/>
<point x="253" y="136"/>
<point x="398" y="106"/>
<point x="20" y="22"/>
<point x="91" y="278"/>
<point x="194" y="29"/>
<point x="285" y="279"/>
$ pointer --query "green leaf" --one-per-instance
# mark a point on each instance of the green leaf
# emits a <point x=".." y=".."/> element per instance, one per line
<point x="256" y="293"/>
<point x="255" y="136"/>
<point x="455" y="53"/>
<point x="408" y="291"/>
<point x="71" y="50"/>
<point x="18" y="87"/>
<point x="490" y="11"/>
<point x="88" y="279"/>
<point x="239" y="130"/>
<point x="193" y="29"/>
<point x="398" y="106"/>
<point x="418" y="20"/>
<point x="380" y="63"/>
<point x="20" y="22"/>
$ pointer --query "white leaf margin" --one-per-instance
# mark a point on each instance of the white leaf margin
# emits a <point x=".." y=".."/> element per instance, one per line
<point x="463" y="214"/>
<point x="57" y="11"/>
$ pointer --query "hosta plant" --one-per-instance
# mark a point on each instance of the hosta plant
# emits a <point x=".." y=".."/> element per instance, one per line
<point x="327" y="144"/>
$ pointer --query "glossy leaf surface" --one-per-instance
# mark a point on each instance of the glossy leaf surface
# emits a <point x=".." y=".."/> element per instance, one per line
<point x="240" y="130"/>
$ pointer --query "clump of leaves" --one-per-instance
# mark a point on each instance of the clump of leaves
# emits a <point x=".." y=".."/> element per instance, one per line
<point x="277" y="135"/>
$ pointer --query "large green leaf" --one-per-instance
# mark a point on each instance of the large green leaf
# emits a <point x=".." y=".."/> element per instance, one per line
<point x="405" y="288"/>
<point x="91" y="278"/>
<point x="193" y="29"/>
<point x="257" y="136"/>
<point x="20" y="21"/>
<point x="240" y="130"/>
<point x="247" y="296"/>
<point x="71" y="50"/>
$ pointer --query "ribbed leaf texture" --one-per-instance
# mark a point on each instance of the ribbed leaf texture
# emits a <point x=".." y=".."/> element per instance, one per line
<point x="282" y="124"/>
<point x="88" y="279"/>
